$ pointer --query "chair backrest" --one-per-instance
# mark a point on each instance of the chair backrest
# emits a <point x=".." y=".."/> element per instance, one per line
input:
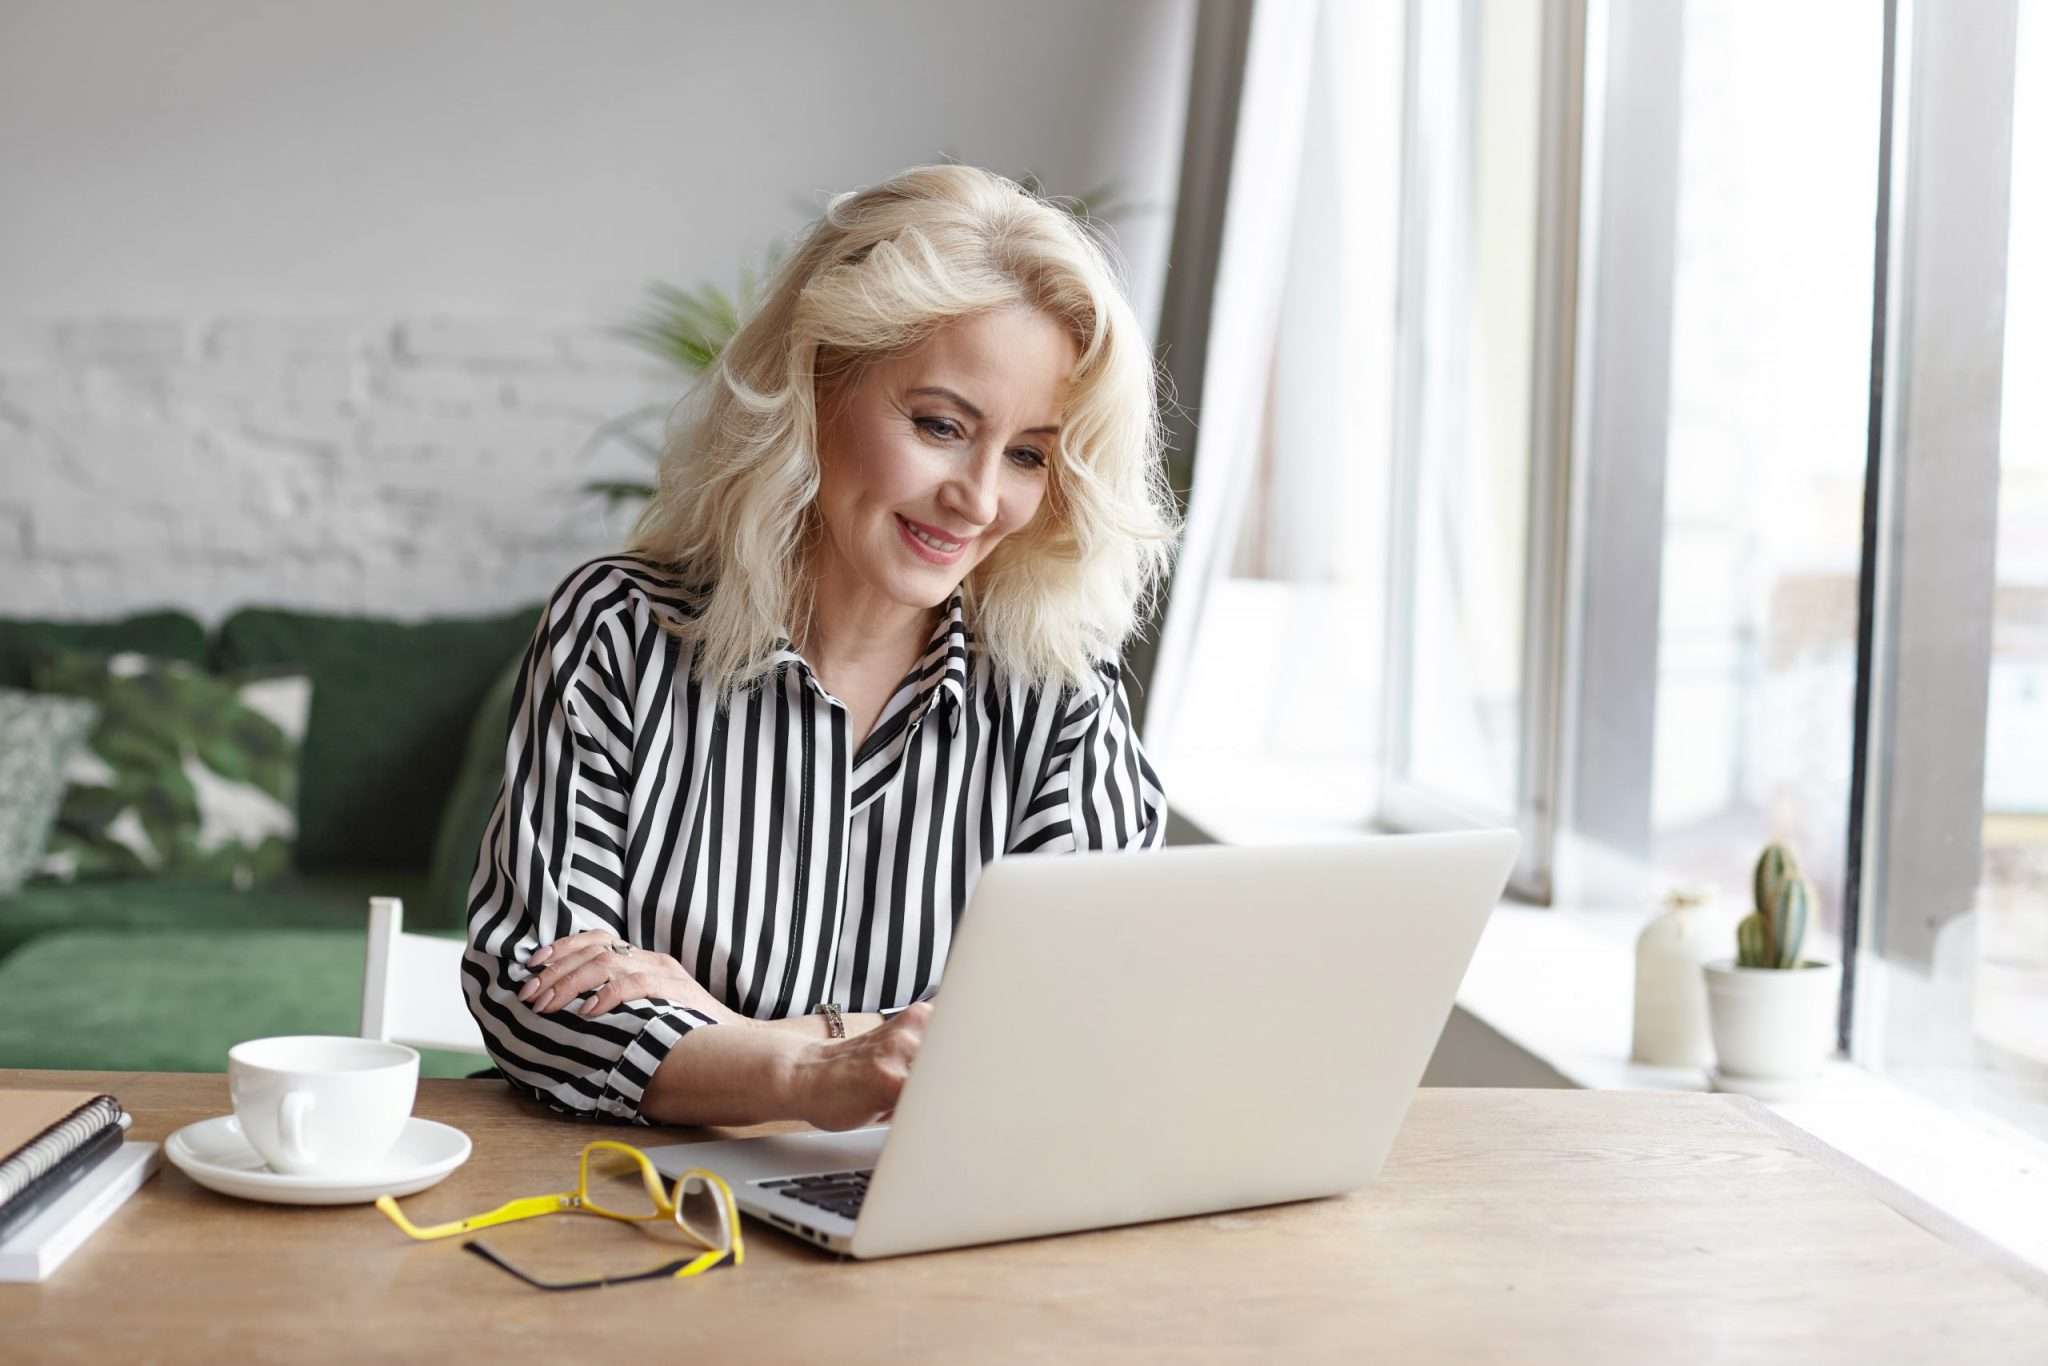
<point x="412" y="992"/>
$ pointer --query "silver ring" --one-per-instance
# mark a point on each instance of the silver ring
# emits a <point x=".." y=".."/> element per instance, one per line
<point x="621" y="946"/>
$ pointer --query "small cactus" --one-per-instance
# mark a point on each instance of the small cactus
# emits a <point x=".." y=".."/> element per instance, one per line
<point x="1774" y="868"/>
<point x="1772" y="936"/>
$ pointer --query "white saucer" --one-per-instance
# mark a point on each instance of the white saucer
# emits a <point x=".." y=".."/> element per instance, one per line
<point x="214" y="1153"/>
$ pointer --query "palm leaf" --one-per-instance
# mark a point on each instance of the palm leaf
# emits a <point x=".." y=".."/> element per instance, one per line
<point x="622" y="428"/>
<point x="615" y="491"/>
<point x="685" y="327"/>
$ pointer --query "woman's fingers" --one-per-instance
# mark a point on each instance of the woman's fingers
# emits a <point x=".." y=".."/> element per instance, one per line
<point x="568" y="976"/>
<point x="580" y="963"/>
<point x="569" y="943"/>
<point x="568" y="967"/>
<point x="603" y="998"/>
<point x="609" y="994"/>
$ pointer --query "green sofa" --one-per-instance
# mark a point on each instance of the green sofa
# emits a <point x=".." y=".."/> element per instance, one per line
<point x="398" y="772"/>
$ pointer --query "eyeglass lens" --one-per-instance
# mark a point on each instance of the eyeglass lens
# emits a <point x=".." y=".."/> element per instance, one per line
<point x="704" y="1213"/>
<point x="616" y="1184"/>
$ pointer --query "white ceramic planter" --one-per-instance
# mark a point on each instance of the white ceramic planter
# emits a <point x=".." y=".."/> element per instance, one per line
<point x="1772" y="1024"/>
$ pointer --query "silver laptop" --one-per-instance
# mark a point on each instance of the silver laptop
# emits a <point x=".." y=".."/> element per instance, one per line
<point x="1122" y="1037"/>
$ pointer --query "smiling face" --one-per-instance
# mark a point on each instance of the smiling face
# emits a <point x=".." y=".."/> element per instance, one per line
<point x="935" y="456"/>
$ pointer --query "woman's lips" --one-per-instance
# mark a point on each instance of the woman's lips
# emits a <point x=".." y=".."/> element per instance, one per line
<point x="930" y="554"/>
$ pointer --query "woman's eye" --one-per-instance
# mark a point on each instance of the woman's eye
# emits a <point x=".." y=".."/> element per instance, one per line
<point x="944" y="428"/>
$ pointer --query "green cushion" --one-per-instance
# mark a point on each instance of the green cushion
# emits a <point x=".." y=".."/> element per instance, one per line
<point x="167" y="635"/>
<point x="146" y="905"/>
<point x="469" y="810"/>
<point x="392" y="706"/>
<point x="177" y="1002"/>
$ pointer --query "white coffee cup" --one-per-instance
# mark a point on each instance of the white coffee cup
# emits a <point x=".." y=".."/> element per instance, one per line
<point x="313" y="1104"/>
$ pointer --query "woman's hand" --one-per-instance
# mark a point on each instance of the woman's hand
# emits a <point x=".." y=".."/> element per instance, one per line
<point x="848" y="1083"/>
<point x="577" y="963"/>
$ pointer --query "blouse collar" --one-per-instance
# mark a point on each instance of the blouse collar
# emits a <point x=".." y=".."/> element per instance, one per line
<point x="941" y="669"/>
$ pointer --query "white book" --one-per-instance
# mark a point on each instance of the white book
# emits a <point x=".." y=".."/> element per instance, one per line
<point x="40" y="1246"/>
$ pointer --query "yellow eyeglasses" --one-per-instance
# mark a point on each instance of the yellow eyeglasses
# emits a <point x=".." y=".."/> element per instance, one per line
<point x="701" y="1205"/>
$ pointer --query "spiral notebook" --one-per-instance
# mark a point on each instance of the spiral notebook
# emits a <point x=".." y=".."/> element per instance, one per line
<point x="63" y="1170"/>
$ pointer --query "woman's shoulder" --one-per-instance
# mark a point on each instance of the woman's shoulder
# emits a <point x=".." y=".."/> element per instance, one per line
<point x="602" y="609"/>
<point x="622" y="583"/>
<point x="595" y="629"/>
<point x="1098" y="683"/>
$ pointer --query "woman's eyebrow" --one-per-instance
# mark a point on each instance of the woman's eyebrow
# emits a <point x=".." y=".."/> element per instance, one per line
<point x="940" y="391"/>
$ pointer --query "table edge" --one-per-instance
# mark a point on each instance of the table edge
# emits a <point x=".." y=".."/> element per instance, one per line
<point x="1903" y="1202"/>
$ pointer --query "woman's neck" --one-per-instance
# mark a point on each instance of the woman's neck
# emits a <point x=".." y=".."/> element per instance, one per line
<point x="851" y="626"/>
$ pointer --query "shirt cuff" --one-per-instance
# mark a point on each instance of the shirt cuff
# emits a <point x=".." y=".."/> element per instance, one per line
<point x="625" y="1087"/>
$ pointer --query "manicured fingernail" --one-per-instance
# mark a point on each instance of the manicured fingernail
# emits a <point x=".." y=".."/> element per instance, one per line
<point x="589" y="1008"/>
<point x="539" y="955"/>
<point x="541" y="1002"/>
<point x="531" y="986"/>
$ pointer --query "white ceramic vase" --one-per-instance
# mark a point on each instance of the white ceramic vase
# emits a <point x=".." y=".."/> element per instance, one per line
<point x="1671" y="996"/>
<point x="1771" y="1025"/>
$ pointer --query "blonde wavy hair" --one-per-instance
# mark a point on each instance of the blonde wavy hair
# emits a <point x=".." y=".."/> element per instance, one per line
<point x="736" y="510"/>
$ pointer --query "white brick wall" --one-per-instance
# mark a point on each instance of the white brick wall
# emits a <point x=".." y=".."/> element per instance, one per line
<point x="392" y="466"/>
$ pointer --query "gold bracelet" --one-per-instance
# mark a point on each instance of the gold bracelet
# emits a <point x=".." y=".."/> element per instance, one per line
<point x="835" y="1023"/>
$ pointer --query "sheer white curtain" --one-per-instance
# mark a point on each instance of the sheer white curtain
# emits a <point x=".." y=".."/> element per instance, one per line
<point x="1344" y="642"/>
<point x="1236" y="368"/>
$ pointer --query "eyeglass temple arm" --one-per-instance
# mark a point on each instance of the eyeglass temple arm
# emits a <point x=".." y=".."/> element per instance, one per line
<point x="672" y="1271"/>
<point x="530" y="1207"/>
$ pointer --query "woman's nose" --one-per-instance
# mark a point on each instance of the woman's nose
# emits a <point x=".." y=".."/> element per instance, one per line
<point x="974" y="491"/>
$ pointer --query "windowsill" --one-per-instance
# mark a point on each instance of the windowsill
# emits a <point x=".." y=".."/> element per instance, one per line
<point x="1559" y="985"/>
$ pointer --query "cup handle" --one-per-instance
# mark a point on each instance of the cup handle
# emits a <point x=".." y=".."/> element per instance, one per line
<point x="291" y="1129"/>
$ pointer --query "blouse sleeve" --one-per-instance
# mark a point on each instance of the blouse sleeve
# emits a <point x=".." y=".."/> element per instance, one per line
<point x="1095" y="787"/>
<point x="551" y="860"/>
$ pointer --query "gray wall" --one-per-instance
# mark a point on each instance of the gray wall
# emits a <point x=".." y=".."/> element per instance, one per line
<point x="305" y="303"/>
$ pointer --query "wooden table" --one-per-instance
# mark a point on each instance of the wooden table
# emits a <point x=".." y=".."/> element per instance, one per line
<point x="1570" y="1226"/>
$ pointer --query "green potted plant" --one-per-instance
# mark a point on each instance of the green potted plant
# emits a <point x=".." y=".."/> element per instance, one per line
<point x="1771" y="1011"/>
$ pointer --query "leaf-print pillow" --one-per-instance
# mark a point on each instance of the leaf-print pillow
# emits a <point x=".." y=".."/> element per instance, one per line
<point x="187" y="773"/>
<point x="38" y="736"/>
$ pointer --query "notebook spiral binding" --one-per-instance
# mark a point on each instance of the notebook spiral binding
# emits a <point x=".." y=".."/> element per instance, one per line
<point x="54" y="1144"/>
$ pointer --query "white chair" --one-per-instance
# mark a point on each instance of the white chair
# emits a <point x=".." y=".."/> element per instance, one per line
<point x="412" y="992"/>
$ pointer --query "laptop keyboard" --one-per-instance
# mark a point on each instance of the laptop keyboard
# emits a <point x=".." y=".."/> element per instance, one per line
<point x="839" y="1192"/>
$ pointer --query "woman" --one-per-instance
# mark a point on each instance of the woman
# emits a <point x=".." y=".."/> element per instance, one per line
<point x="863" y="644"/>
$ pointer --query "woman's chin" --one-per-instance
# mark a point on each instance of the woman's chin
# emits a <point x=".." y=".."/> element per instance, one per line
<point x="920" y="586"/>
<point x="917" y="582"/>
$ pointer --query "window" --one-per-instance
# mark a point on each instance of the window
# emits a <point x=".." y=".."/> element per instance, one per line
<point x="1277" y="724"/>
<point x="1588" y="467"/>
<point x="1471" y="257"/>
<point x="1365" y="653"/>
<point x="1767" y="439"/>
<point x="2009" y="1005"/>
<point x="1752" y="511"/>
<point x="1489" y="191"/>
<point x="1959" y="914"/>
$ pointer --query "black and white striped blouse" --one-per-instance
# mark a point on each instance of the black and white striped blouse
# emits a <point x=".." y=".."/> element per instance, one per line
<point x="776" y="863"/>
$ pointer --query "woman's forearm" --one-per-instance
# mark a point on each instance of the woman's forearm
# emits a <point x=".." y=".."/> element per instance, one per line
<point x="738" y="1073"/>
